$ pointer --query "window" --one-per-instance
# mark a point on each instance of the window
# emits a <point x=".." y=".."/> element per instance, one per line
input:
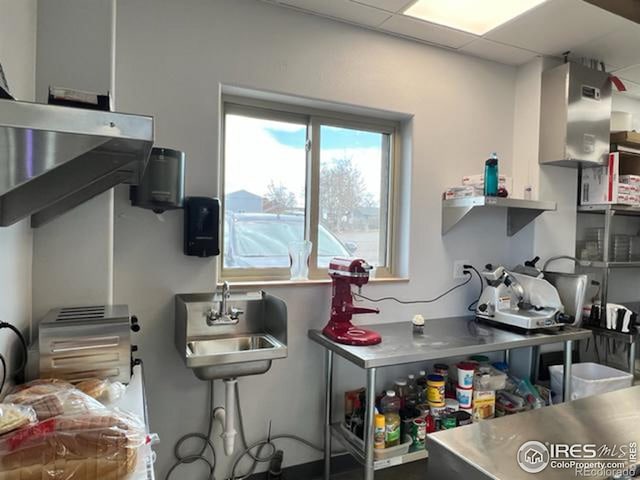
<point x="292" y="174"/>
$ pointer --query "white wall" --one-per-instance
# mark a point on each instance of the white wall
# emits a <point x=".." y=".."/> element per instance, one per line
<point x="17" y="55"/>
<point x="625" y="103"/>
<point x="73" y="254"/>
<point x="171" y="58"/>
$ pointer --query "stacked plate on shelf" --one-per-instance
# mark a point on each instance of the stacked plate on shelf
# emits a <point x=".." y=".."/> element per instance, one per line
<point x="593" y="247"/>
<point x="620" y="251"/>
<point x="624" y="248"/>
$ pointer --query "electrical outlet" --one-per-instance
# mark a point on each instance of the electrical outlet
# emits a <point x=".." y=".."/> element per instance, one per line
<point x="458" y="269"/>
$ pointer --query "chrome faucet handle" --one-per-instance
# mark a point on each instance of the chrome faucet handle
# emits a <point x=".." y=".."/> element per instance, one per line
<point x="235" y="313"/>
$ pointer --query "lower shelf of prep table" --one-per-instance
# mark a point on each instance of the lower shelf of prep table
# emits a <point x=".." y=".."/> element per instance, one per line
<point x="355" y="447"/>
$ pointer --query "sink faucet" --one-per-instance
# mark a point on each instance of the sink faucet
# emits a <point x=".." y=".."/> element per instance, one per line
<point x="224" y="315"/>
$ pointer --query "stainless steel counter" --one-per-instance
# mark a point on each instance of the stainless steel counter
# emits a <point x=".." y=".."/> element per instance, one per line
<point x="442" y="338"/>
<point x="488" y="450"/>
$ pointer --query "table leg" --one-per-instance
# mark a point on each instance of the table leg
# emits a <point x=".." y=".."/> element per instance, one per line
<point x="535" y="363"/>
<point x="632" y="358"/>
<point x="328" y="399"/>
<point x="507" y="356"/>
<point x="566" y="380"/>
<point x="369" y="424"/>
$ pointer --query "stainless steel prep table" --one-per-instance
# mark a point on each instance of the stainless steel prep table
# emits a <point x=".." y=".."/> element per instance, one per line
<point x="487" y="450"/>
<point x="442" y="338"/>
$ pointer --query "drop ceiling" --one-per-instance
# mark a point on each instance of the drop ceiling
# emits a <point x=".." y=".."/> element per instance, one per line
<point x="552" y="28"/>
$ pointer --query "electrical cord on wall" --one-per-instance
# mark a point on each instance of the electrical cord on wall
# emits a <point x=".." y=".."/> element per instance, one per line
<point x="412" y="302"/>
<point x="25" y="353"/>
<point x="261" y="444"/>
<point x="471" y="307"/>
<point x="206" y="444"/>
<point x="4" y="372"/>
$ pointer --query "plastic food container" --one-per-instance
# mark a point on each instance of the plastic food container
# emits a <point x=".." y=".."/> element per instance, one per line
<point x="589" y="379"/>
<point x="466" y="371"/>
<point x="435" y="390"/>
<point x="451" y="405"/>
<point x="402" y="449"/>
<point x="464" y="397"/>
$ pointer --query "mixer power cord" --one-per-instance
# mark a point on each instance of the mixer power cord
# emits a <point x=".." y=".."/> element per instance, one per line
<point x="412" y="302"/>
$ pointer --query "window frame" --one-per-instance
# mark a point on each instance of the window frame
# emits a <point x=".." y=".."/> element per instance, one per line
<point x="314" y="119"/>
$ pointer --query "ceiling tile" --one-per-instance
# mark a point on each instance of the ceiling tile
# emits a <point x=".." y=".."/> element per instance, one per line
<point x="498" y="52"/>
<point x="427" y="32"/>
<point x="630" y="73"/>
<point x="618" y="49"/>
<point x="557" y="26"/>
<point x="342" y="10"/>
<point x="388" y="5"/>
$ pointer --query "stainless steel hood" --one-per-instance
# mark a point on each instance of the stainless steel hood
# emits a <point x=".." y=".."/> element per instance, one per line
<point x="53" y="158"/>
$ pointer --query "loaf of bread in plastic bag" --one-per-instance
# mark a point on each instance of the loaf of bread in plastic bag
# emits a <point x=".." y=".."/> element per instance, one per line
<point x="98" y="445"/>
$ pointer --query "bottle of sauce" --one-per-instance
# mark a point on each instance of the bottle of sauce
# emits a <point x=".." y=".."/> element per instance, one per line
<point x="390" y="404"/>
<point x="400" y="387"/>
<point x="379" y="432"/>
<point x="412" y="391"/>
<point x="491" y="176"/>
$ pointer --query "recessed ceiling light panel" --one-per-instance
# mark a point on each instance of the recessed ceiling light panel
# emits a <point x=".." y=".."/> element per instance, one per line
<point x="474" y="16"/>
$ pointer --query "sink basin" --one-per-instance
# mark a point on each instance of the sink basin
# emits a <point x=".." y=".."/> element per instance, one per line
<point x="228" y="351"/>
<point x="232" y="349"/>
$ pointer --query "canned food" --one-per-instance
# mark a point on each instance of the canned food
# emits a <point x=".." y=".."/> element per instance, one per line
<point x="438" y="412"/>
<point x="435" y="390"/>
<point x="418" y="432"/>
<point x="448" y="422"/>
<point x="441" y="369"/>
<point x="451" y="405"/>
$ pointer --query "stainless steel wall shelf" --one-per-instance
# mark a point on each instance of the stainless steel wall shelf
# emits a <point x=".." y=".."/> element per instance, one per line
<point x="519" y="212"/>
<point x="53" y="158"/>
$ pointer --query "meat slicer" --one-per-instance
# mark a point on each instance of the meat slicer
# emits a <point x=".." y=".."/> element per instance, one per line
<point x="519" y="300"/>
<point x="345" y="272"/>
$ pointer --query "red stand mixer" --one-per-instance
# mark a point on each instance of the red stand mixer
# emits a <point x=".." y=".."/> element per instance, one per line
<point x="345" y="272"/>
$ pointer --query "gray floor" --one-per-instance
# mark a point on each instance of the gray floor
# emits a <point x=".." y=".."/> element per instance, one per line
<point x="410" y="471"/>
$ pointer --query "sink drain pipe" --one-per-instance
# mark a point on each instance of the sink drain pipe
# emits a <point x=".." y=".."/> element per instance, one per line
<point x="226" y="415"/>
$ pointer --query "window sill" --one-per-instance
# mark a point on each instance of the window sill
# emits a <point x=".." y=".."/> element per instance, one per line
<point x="302" y="283"/>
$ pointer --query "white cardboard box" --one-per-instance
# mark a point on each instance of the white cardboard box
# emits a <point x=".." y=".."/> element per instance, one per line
<point x="631" y="180"/>
<point x="600" y="184"/>
<point x="462" y="192"/>
<point x="478" y="182"/>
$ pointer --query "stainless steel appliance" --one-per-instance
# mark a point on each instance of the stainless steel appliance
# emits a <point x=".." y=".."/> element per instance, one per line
<point x="522" y="301"/>
<point x="575" y="116"/>
<point x="572" y="288"/>
<point x="76" y="343"/>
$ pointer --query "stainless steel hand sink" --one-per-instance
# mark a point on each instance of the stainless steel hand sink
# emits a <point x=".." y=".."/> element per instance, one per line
<point x="226" y="349"/>
<point x="232" y="349"/>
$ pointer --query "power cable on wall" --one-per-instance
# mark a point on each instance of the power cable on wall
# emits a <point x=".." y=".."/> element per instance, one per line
<point x="413" y="302"/>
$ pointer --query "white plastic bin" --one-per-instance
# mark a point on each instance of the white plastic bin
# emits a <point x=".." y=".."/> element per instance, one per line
<point x="589" y="379"/>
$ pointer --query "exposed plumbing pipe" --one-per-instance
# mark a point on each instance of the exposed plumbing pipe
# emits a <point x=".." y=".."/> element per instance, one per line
<point x="226" y="415"/>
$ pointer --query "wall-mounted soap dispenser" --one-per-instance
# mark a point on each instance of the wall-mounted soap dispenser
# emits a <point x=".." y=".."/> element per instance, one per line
<point x="202" y="226"/>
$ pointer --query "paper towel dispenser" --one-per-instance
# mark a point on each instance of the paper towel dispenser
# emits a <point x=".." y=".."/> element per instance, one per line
<point x="162" y="185"/>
